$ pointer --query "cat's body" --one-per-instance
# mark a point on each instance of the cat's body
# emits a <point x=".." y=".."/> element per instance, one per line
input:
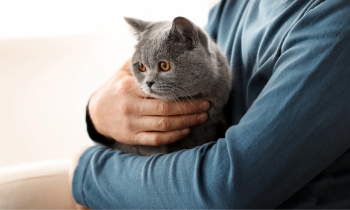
<point x="177" y="61"/>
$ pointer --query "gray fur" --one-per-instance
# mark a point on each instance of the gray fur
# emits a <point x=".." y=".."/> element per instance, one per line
<point x="198" y="69"/>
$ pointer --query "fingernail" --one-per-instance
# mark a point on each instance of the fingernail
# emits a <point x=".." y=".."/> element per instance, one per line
<point x="204" y="106"/>
<point x="202" y="117"/>
<point x="185" y="131"/>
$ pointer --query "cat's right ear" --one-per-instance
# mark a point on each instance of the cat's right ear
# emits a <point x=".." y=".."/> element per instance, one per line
<point x="183" y="30"/>
<point x="137" y="25"/>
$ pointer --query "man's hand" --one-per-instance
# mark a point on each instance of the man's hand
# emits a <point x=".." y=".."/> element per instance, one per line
<point x="122" y="111"/>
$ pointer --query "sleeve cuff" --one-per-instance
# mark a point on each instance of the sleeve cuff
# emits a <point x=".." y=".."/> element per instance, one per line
<point x="94" y="135"/>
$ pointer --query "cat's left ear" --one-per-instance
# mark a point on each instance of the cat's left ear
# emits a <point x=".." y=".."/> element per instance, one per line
<point x="184" y="30"/>
<point x="137" y="25"/>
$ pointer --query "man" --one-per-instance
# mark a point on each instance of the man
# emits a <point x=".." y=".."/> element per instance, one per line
<point x="288" y="146"/>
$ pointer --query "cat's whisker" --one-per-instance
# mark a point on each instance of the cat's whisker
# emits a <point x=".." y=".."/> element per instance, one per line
<point x="183" y="115"/>
<point x="143" y="102"/>
<point x="137" y="99"/>
<point x="182" y="104"/>
<point x="188" y="97"/>
<point x="194" y="103"/>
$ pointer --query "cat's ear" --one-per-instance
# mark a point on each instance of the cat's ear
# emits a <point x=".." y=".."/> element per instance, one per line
<point x="137" y="25"/>
<point x="184" y="30"/>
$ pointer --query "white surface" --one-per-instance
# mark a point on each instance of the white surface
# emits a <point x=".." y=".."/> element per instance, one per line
<point x="53" y="55"/>
<point x="32" y="170"/>
<point x="39" y="185"/>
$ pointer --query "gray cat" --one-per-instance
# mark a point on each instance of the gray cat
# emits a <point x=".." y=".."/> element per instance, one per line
<point x="178" y="61"/>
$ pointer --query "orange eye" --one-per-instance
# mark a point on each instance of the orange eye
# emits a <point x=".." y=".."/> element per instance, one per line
<point x="164" y="65"/>
<point x="142" y="67"/>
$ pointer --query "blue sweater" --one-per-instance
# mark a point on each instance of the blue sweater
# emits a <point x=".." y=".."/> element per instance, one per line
<point x="288" y="146"/>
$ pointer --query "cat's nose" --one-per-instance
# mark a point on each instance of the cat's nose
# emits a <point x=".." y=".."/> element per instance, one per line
<point x="150" y="83"/>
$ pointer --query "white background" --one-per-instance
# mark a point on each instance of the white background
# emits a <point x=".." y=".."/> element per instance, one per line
<point x="53" y="55"/>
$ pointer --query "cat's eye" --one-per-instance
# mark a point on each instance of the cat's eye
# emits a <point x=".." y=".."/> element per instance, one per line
<point x="142" y="67"/>
<point x="164" y="65"/>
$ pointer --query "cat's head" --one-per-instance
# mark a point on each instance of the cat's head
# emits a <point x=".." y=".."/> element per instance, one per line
<point x="172" y="59"/>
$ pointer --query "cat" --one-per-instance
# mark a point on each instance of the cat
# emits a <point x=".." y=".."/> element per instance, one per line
<point x="178" y="61"/>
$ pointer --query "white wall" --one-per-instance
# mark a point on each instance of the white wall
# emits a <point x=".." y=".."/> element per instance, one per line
<point x="43" y="18"/>
<point x="53" y="55"/>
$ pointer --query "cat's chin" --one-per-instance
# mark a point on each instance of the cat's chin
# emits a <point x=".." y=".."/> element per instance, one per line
<point x="162" y="97"/>
<point x="167" y="97"/>
<point x="170" y="96"/>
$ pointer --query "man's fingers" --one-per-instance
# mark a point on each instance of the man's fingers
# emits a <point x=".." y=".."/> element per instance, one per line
<point x="160" y="138"/>
<point x="157" y="107"/>
<point x="170" y="123"/>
